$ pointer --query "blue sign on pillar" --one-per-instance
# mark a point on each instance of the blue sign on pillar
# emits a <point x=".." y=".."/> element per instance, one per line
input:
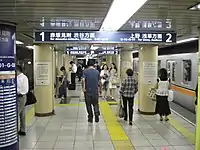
<point x="8" y="103"/>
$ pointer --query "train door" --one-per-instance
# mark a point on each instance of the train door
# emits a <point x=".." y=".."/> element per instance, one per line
<point x="171" y="69"/>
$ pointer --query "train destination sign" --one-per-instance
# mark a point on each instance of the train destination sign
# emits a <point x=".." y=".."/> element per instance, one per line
<point x="167" y="24"/>
<point x="88" y="52"/>
<point x="105" y="37"/>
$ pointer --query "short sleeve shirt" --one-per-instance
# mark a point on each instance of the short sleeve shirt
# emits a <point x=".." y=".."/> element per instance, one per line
<point x="91" y="77"/>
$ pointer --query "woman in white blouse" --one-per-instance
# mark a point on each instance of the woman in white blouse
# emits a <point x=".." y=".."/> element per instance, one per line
<point x="104" y="80"/>
<point x="162" y="91"/>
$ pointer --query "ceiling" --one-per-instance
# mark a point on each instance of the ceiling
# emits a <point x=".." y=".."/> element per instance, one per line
<point x="29" y="13"/>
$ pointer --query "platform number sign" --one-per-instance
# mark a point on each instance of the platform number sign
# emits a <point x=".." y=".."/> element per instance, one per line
<point x="42" y="36"/>
<point x="169" y="38"/>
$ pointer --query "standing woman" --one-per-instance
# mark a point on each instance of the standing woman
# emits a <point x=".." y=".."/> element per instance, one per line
<point x="113" y="75"/>
<point x="162" y="91"/>
<point x="104" y="81"/>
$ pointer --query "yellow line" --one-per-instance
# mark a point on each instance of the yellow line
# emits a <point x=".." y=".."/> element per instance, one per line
<point x="30" y="114"/>
<point x="117" y="134"/>
<point x="188" y="134"/>
<point x="78" y="104"/>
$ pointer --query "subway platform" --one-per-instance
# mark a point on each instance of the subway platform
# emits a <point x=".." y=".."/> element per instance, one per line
<point x="69" y="130"/>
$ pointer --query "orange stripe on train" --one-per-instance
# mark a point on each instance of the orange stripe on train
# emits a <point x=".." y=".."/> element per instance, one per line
<point x="183" y="90"/>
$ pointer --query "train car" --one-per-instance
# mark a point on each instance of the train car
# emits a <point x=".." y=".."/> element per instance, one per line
<point x="182" y="67"/>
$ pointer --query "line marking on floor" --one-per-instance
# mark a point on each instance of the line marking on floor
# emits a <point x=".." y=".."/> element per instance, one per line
<point x="117" y="134"/>
<point x="71" y="104"/>
<point x="190" y="136"/>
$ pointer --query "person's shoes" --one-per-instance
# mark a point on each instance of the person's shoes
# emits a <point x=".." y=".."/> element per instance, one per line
<point x="130" y="123"/>
<point x="22" y="133"/>
<point x="166" y="119"/>
<point x="90" y="120"/>
<point x="161" y="119"/>
<point x="96" y="119"/>
<point x="125" y="119"/>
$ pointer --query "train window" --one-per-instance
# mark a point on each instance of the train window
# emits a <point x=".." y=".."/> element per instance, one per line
<point x="187" y="71"/>
<point x="173" y="71"/>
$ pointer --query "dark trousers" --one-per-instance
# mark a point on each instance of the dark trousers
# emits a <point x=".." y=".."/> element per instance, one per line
<point x="128" y="100"/>
<point x="92" y="100"/>
<point x="73" y="78"/>
<point x="63" y="91"/>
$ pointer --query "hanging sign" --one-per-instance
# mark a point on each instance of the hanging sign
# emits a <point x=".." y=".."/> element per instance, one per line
<point x="105" y="37"/>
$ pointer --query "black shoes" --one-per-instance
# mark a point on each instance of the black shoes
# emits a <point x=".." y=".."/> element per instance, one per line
<point x="91" y="120"/>
<point x="130" y="123"/>
<point x="22" y="133"/>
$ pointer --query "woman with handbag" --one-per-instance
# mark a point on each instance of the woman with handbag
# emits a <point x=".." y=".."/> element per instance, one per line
<point x="162" y="92"/>
<point x="128" y="90"/>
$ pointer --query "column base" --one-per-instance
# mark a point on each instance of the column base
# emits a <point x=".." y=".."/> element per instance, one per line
<point x="146" y="113"/>
<point x="45" y="114"/>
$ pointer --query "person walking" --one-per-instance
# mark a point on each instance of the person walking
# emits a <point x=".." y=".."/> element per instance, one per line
<point x="22" y="90"/>
<point x="162" y="90"/>
<point x="113" y="76"/>
<point x="64" y="84"/>
<point x="90" y="87"/>
<point x="128" y="90"/>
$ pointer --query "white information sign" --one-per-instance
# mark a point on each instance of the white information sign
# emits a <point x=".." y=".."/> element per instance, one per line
<point x="149" y="72"/>
<point x="42" y="73"/>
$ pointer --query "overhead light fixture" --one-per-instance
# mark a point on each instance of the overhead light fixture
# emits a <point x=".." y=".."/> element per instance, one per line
<point x="30" y="47"/>
<point x="19" y="42"/>
<point x="186" y="40"/>
<point x="119" y="13"/>
<point x="195" y="7"/>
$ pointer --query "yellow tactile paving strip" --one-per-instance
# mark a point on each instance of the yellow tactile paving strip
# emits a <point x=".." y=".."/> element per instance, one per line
<point x="117" y="134"/>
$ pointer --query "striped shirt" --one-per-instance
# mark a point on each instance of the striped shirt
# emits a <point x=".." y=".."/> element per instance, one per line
<point x="129" y="87"/>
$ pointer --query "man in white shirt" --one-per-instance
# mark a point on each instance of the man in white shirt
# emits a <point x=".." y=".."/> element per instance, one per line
<point x="22" y="90"/>
<point x="73" y="72"/>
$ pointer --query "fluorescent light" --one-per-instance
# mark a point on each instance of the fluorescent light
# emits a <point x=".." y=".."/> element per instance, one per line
<point x="19" y="42"/>
<point x="198" y="6"/>
<point x="30" y="47"/>
<point x="119" y="13"/>
<point x="186" y="40"/>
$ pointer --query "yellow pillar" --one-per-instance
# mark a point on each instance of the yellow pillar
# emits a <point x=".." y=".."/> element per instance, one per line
<point x="43" y="79"/>
<point x="148" y="58"/>
<point x="197" y="145"/>
<point x="54" y="79"/>
<point x="126" y="63"/>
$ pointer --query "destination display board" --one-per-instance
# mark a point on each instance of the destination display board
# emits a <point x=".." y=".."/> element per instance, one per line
<point x="88" y="52"/>
<point x="8" y="102"/>
<point x="105" y="37"/>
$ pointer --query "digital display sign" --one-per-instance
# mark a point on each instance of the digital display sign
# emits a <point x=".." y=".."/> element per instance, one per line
<point x="105" y="37"/>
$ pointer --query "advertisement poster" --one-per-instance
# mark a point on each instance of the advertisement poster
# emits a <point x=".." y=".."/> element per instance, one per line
<point x="149" y="72"/>
<point x="43" y="73"/>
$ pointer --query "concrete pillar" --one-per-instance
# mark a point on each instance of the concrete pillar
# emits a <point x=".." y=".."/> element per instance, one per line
<point x="197" y="145"/>
<point x="54" y="79"/>
<point x="8" y="111"/>
<point x="108" y="60"/>
<point x="118" y="65"/>
<point x="43" y="80"/>
<point x="148" y="58"/>
<point x="126" y="63"/>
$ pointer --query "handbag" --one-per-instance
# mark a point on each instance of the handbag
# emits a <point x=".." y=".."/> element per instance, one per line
<point x="120" y="111"/>
<point x="31" y="99"/>
<point x="170" y="96"/>
<point x="115" y="81"/>
<point x="152" y="94"/>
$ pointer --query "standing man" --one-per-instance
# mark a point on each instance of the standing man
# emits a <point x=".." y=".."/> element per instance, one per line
<point x="22" y="90"/>
<point x="64" y="84"/>
<point x="73" y="72"/>
<point x="91" y="81"/>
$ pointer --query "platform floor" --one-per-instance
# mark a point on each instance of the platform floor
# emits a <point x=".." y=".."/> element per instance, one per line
<point x="69" y="130"/>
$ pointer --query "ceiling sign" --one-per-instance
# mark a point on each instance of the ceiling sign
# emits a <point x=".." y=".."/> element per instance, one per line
<point x="106" y="52"/>
<point x="105" y="37"/>
<point x="61" y="23"/>
<point x="78" y="52"/>
<point x="167" y="24"/>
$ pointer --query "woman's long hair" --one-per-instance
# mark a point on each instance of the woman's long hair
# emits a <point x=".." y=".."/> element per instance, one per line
<point x="163" y="74"/>
<point x="104" y="66"/>
<point x="115" y="67"/>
